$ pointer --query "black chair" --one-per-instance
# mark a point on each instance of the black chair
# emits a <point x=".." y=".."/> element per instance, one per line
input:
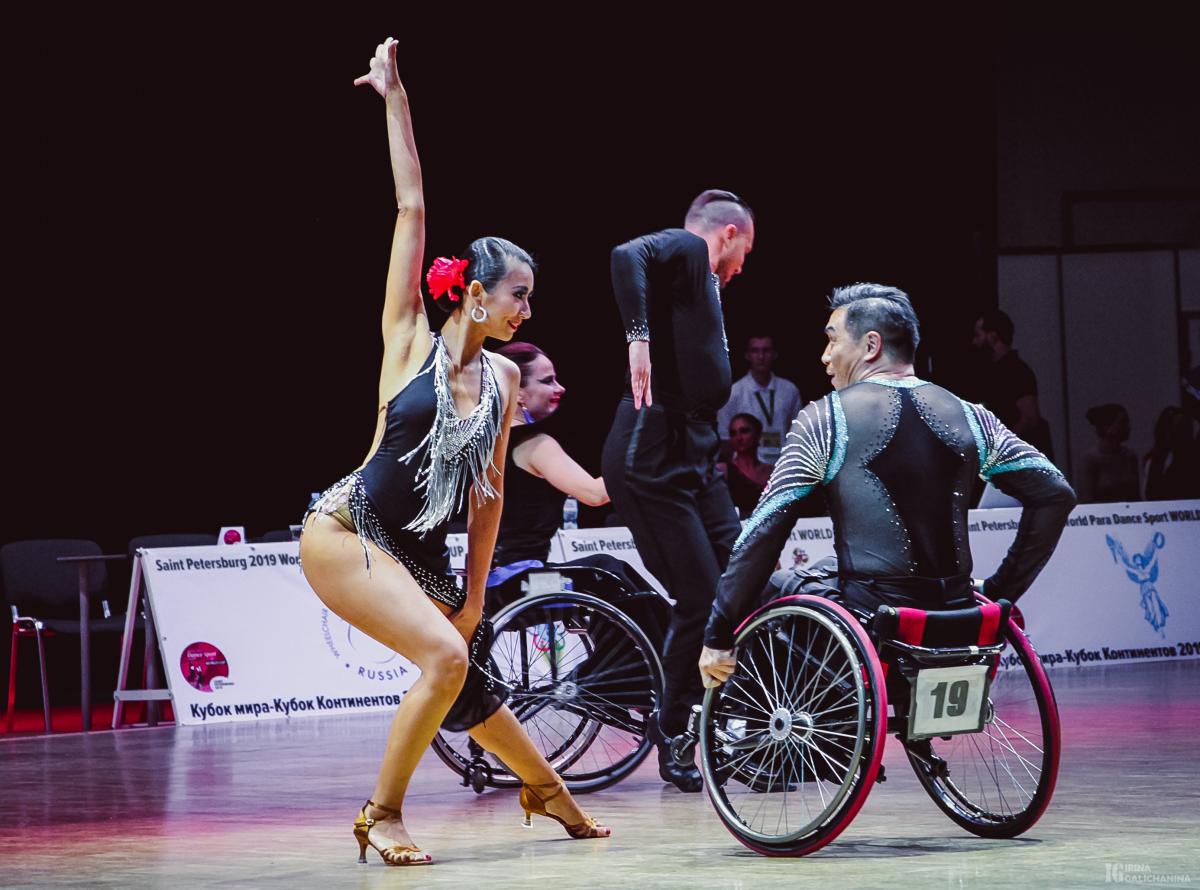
<point x="149" y="542"/>
<point x="43" y="595"/>
<point x="276" y="536"/>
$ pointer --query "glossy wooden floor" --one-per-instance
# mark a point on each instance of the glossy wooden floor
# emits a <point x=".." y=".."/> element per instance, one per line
<point x="271" y="805"/>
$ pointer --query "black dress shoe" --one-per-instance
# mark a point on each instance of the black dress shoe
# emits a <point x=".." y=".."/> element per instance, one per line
<point x="684" y="777"/>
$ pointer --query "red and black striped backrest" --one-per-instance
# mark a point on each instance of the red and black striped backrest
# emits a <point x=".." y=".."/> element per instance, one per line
<point x="981" y="625"/>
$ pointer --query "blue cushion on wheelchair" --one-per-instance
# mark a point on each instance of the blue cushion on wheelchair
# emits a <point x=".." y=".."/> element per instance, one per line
<point x="500" y="574"/>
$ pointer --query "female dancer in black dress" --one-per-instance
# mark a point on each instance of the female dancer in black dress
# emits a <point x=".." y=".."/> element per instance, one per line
<point x="373" y="548"/>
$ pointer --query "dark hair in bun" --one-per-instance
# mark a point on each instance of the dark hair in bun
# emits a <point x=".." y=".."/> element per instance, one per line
<point x="488" y="261"/>
<point x="754" y="422"/>
<point x="523" y="353"/>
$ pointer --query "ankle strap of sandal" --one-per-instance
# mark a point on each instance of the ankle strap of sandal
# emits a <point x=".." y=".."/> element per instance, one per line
<point x="391" y="813"/>
<point x="557" y="788"/>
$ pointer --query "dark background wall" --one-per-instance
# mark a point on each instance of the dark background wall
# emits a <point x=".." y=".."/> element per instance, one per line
<point x="1097" y="97"/>
<point x="200" y="210"/>
<point x="205" y="219"/>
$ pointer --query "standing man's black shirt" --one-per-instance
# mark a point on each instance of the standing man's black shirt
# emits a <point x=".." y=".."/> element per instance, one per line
<point x="1011" y="379"/>
<point x="667" y="293"/>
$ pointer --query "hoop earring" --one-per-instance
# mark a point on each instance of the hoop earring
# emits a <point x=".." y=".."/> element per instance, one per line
<point x="483" y="314"/>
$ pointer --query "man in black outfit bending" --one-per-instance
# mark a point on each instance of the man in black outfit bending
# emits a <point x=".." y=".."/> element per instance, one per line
<point x="659" y="461"/>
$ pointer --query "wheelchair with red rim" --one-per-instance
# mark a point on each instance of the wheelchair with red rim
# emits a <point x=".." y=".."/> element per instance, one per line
<point x="791" y="745"/>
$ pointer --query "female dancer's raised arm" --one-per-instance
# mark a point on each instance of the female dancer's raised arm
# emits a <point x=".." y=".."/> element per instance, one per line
<point x="405" y="325"/>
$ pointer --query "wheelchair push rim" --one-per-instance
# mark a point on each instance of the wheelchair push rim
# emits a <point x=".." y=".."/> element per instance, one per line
<point x="998" y="782"/>
<point x="585" y="680"/>
<point x="791" y="744"/>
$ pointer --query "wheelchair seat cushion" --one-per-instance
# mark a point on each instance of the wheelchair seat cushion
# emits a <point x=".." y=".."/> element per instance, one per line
<point x="501" y="573"/>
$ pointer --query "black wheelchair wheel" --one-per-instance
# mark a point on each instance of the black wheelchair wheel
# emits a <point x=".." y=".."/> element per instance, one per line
<point x="998" y="782"/>
<point x="585" y="682"/>
<point x="477" y="776"/>
<point x="791" y="744"/>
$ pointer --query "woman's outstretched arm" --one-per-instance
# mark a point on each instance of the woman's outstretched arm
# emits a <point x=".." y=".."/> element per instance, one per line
<point x="544" y="456"/>
<point x="403" y="308"/>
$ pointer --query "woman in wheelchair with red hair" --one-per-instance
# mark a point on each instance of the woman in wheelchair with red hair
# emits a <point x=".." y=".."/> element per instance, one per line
<point x="897" y="457"/>
<point x="541" y="476"/>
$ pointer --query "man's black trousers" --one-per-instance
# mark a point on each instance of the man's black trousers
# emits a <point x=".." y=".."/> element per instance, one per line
<point x="659" y="466"/>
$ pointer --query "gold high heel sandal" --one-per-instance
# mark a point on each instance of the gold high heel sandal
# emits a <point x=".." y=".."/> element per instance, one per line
<point x="532" y="802"/>
<point x="397" y="854"/>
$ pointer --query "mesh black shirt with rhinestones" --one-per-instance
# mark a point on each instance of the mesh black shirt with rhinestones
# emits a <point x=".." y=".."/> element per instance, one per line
<point x="667" y="294"/>
<point x="897" y="459"/>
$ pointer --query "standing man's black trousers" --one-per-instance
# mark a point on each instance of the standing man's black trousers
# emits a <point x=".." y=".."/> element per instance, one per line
<point x="659" y="466"/>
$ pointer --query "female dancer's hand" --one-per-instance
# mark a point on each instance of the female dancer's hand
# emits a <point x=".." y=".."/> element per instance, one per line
<point x="383" y="75"/>
<point x="466" y="619"/>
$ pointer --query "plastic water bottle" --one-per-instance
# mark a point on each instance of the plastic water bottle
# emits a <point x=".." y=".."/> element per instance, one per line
<point x="570" y="513"/>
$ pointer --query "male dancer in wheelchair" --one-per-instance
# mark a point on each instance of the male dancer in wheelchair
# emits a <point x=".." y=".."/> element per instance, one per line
<point x="897" y="457"/>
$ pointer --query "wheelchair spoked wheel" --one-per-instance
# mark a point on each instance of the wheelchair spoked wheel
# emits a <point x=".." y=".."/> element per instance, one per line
<point x="791" y="744"/>
<point x="585" y="681"/>
<point x="561" y="744"/>
<point x="998" y="782"/>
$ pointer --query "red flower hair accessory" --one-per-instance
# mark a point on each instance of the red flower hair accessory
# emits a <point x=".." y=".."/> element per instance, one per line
<point x="446" y="274"/>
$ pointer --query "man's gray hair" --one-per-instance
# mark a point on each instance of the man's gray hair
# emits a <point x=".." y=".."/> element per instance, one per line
<point x="886" y="310"/>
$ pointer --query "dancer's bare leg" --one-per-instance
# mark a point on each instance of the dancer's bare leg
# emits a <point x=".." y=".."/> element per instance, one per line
<point x="503" y="735"/>
<point x="390" y="607"/>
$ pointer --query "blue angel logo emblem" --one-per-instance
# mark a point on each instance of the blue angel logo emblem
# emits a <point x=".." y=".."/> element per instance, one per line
<point x="1142" y="570"/>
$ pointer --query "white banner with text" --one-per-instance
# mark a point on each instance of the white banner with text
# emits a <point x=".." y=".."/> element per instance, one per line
<point x="1123" y="585"/>
<point x="243" y="637"/>
<point x="616" y="542"/>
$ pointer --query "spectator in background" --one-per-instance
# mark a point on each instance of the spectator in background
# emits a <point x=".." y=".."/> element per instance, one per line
<point x="1108" y="470"/>
<point x="1009" y="387"/>
<point x="745" y="474"/>
<point x="1172" y="465"/>
<point x="773" y="400"/>
<point x="1190" y="397"/>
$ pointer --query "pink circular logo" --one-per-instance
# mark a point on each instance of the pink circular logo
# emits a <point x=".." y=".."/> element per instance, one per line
<point x="201" y="663"/>
<point x="232" y="536"/>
